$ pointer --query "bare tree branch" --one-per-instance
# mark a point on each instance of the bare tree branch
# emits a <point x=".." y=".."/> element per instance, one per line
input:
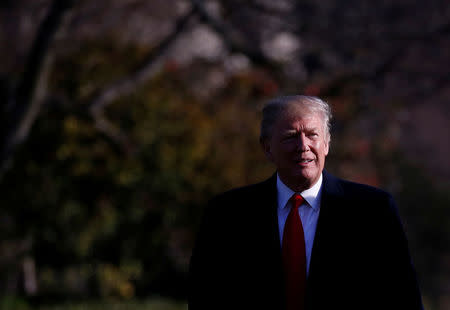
<point x="232" y="39"/>
<point x="25" y="105"/>
<point x="149" y="66"/>
<point x="153" y="63"/>
<point x="114" y="133"/>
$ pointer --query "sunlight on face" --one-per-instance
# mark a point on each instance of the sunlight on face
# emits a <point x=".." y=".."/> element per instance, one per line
<point x="298" y="146"/>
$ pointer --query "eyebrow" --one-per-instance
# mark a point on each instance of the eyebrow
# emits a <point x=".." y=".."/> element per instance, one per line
<point x="307" y="129"/>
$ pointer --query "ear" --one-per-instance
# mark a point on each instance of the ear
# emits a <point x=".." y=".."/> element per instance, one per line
<point x="327" y="146"/>
<point x="267" y="149"/>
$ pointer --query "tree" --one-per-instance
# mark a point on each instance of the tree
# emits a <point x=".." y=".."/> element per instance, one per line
<point x="108" y="92"/>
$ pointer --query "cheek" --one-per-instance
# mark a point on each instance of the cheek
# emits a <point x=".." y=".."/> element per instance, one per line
<point x="287" y="147"/>
<point x="322" y="149"/>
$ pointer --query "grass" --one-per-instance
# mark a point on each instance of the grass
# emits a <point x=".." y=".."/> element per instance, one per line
<point x="151" y="304"/>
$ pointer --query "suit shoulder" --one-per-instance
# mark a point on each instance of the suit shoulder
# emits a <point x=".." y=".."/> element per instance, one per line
<point x="241" y="196"/>
<point x="233" y="206"/>
<point x="372" y="203"/>
<point x="241" y="192"/>
<point x="363" y="190"/>
<point x="357" y="192"/>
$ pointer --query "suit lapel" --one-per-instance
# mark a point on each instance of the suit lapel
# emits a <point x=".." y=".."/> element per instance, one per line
<point x="269" y="218"/>
<point x="272" y="268"/>
<point x="328" y="217"/>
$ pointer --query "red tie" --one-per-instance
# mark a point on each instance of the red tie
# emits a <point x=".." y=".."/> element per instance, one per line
<point x="294" y="257"/>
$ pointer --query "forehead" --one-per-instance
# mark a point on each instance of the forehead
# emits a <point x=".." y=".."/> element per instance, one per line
<point x="294" y="116"/>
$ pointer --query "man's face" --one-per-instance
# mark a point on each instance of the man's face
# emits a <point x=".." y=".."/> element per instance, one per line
<point x="298" y="146"/>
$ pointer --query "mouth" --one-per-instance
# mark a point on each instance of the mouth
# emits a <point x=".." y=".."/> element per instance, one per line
<point x="304" y="162"/>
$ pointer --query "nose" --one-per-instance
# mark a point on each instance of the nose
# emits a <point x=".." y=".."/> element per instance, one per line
<point x="302" y="143"/>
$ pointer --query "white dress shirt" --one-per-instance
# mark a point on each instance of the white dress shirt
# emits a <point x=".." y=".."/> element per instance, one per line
<point x="308" y="211"/>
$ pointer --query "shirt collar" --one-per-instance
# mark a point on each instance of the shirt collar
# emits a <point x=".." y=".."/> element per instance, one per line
<point x="311" y="195"/>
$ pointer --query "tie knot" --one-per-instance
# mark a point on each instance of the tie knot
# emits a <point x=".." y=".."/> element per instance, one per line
<point x="297" y="200"/>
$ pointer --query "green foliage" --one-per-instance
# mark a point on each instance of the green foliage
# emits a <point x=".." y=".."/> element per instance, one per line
<point x="117" y="223"/>
<point x="80" y="74"/>
<point x="12" y="303"/>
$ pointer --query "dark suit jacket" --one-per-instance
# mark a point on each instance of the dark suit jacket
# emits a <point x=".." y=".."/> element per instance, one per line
<point x="360" y="257"/>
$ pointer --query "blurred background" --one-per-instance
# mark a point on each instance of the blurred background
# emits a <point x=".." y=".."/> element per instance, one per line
<point x="121" y="118"/>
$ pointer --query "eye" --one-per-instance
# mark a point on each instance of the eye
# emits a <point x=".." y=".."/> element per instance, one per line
<point x="289" y="138"/>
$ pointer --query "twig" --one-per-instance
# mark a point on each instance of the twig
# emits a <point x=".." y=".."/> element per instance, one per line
<point x="231" y="38"/>
<point x="24" y="106"/>
<point x="149" y="66"/>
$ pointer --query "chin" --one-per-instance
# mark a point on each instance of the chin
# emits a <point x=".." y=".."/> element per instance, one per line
<point x="307" y="174"/>
<point x="303" y="178"/>
<point x="308" y="179"/>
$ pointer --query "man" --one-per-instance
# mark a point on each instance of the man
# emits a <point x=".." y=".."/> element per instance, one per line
<point x="302" y="239"/>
